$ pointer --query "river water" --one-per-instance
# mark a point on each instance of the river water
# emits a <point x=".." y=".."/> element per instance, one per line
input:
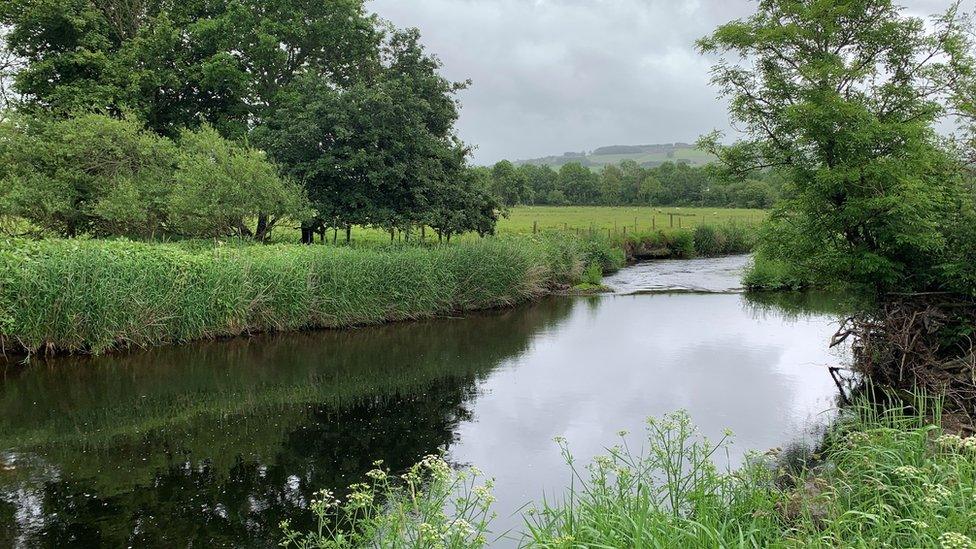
<point x="213" y="444"/>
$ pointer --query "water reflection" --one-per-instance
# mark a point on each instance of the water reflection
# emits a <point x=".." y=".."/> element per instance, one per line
<point x="216" y="443"/>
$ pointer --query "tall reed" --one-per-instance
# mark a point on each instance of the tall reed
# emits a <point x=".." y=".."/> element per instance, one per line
<point x="92" y="296"/>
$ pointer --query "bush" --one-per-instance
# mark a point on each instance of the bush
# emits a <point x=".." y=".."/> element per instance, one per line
<point x="593" y="275"/>
<point x="102" y="176"/>
<point x="86" y="175"/>
<point x="219" y="185"/>
<point x="774" y="274"/>
<point x="599" y="251"/>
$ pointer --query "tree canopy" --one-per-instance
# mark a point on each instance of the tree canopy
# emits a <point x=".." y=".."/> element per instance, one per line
<point x="347" y="105"/>
<point x="842" y="96"/>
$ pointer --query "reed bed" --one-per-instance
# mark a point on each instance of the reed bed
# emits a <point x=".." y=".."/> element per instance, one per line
<point x="93" y="296"/>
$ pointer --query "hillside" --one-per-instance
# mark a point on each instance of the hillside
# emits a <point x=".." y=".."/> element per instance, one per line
<point x="647" y="156"/>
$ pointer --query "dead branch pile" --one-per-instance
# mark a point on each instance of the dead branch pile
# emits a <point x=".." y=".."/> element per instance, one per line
<point x="920" y="343"/>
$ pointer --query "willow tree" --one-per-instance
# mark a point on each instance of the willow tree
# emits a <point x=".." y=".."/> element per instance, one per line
<point x="842" y="95"/>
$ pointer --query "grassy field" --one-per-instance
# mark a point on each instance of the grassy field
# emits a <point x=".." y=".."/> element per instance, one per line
<point x="621" y="218"/>
<point x="618" y="220"/>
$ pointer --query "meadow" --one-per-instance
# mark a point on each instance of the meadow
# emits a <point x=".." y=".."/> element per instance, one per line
<point x="606" y="220"/>
<point x="621" y="219"/>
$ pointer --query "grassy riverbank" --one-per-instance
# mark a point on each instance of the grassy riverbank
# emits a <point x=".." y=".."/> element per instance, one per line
<point x="95" y="295"/>
<point x="77" y="295"/>
<point x="885" y="479"/>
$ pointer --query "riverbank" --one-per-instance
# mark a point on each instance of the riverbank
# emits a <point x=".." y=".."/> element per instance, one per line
<point x="883" y="479"/>
<point x="93" y="296"/>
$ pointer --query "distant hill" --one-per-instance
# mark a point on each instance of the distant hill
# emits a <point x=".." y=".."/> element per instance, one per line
<point x="647" y="156"/>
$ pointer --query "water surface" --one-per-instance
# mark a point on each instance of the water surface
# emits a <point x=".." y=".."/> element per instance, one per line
<point x="213" y="444"/>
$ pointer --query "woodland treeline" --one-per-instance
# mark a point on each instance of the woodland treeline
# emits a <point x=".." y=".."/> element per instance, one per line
<point x="214" y="118"/>
<point x="628" y="183"/>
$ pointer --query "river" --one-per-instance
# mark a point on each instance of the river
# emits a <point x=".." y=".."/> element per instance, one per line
<point x="214" y="443"/>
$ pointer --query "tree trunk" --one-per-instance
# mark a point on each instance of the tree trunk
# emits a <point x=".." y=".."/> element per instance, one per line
<point x="261" y="233"/>
<point x="335" y="235"/>
<point x="348" y="233"/>
<point x="308" y="235"/>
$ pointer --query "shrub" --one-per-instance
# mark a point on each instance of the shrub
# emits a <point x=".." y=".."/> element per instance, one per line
<point x="89" y="174"/>
<point x="593" y="275"/>
<point x="97" y="175"/>
<point x="681" y="244"/>
<point x="775" y="274"/>
<point x="219" y="186"/>
<point x="601" y="252"/>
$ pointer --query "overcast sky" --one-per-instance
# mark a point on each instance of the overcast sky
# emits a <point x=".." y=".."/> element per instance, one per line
<point x="551" y="76"/>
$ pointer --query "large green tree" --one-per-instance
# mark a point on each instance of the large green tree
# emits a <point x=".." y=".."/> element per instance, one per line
<point x="377" y="151"/>
<point x="510" y="184"/>
<point x="182" y="64"/>
<point x="841" y="95"/>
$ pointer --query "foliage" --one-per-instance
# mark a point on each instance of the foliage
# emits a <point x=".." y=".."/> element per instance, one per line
<point x="102" y="176"/>
<point x="93" y="296"/>
<point x="668" y="184"/>
<point x="85" y="175"/>
<point x="884" y="483"/>
<point x="219" y="186"/>
<point x="703" y="241"/>
<point x="380" y="151"/>
<point x="767" y="273"/>
<point x="407" y="511"/>
<point x="593" y="275"/>
<point x="348" y="106"/>
<point x="841" y="96"/>
<point x="511" y="184"/>
<point x="884" y="478"/>
<point x="181" y="64"/>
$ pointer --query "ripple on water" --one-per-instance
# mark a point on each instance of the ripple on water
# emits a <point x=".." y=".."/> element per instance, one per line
<point x="709" y="275"/>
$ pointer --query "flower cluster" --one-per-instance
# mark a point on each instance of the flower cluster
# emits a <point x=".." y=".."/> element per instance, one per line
<point x="957" y="443"/>
<point x="955" y="540"/>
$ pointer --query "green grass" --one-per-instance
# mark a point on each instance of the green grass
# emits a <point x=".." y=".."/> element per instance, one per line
<point x="773" y="274"/>
<point x="605" y="220"/>
<point x="884" y="479"/>
<point x="83" y="295"/>
<point x="618" y="219"/>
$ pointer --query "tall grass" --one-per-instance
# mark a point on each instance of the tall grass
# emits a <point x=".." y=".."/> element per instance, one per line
<point x="79" y="295"/>
<point x="885" y="478"/>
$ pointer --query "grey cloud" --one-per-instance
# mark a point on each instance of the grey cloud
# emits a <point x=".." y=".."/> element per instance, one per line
<point x="570" y="75"/>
